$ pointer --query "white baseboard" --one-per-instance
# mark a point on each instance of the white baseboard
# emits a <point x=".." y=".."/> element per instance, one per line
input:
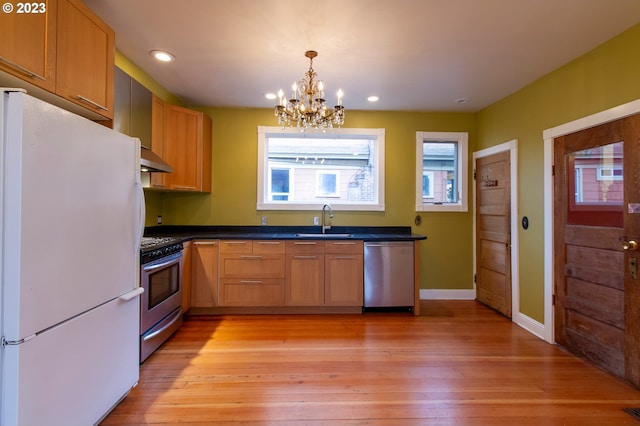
<point x="532" y="326"/>
<point x="431" y="294"/>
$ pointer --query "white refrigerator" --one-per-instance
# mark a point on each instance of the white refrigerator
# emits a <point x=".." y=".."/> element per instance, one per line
<point x="71" y="213"/>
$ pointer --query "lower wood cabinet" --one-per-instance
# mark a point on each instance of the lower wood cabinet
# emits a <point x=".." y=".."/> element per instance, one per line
<point x="304" y="284"/>
<point x="252" y="273"/>
<point x="204" y="273"/>
<point x="344" y="273"/>
<point x="185" y="279"/>
<point x="324" y="273"/>
<point x="318" y="275"/>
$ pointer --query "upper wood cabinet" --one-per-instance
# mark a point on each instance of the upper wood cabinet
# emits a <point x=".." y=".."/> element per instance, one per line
<point x="86" y="54"/>
<point x="182" y="137"/>
<point x="28" y="46"/>
<point x="67" y="51"/>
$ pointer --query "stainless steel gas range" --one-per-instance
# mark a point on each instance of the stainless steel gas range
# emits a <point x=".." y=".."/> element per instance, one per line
<point x="161" y="303"/>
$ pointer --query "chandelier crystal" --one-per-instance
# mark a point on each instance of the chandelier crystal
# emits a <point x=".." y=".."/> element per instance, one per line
<point x="307" y="107"/>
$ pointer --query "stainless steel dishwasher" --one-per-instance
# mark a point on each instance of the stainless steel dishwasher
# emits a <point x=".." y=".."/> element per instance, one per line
<point x="388" y="274"/>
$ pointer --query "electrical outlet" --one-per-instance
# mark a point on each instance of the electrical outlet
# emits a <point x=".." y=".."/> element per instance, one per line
<point x="264" y="220"/>
<point x="159" y="220"/>
<point x="316" y="220"/>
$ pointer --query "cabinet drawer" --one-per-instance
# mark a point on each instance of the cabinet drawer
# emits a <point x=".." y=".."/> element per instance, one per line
<point x="305" y="246"/>
<point x="236" y="246"/>
<point x="268" y="246"/>
<point x="251" y="266"/>
<point x="251" y="292"/>
<point x="356" y="247"/>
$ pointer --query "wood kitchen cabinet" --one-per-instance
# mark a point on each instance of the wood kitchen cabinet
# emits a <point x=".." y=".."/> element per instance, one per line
<point x="185" y="279"/>
<point x="304" y="284"/>
<point x="252" y="273"/>
<point x="204" y="273"/>
<point x="85" y="58"/>
<point x="67" y="51"/>
<point x="344" y="273"/>
<point x="182" y="138"/>
<point x="28" y="46"/>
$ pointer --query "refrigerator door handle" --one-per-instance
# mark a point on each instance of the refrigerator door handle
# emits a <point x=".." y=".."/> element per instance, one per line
<point x="132" y="294"/>
<point x="17" y="342"/>
<point x="141" y="211"/>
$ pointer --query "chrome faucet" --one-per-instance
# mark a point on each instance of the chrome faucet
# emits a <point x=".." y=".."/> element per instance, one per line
<point x="328" y="226"/>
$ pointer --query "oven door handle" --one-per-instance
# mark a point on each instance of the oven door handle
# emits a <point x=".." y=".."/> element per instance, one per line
<point x="170" y="260"/>
<point x="132" y="294"/>
<point x="175" y="318"/>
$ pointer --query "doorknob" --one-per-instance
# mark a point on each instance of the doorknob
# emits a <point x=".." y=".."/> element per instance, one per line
<point x="630" y="245"/>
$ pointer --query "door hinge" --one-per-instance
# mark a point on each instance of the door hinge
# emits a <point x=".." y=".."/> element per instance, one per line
<point x="553" y="170"/>
<point x="475" y="278"/>
<point x="474" y="174"/>
<point x="553" y="300"/>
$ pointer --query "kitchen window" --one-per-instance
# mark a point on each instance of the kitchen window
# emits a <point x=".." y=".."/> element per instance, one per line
<point x="441" y="171"/>
<point x="305" y="170"/>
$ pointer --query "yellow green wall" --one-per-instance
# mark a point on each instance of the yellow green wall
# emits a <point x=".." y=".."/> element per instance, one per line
<point x="233" y="198"/>
<point x="603" y="78"/>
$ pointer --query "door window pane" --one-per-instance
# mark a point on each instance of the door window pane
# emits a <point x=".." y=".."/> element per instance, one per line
<point x="595" y="186"/>
<point x="599" y="175"/>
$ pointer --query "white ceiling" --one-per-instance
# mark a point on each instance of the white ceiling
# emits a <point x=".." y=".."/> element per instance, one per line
<point x="418" y="55"/>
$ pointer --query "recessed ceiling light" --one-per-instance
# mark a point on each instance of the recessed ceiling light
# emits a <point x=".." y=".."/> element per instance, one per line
<point x="270" y="96"/>
<point x="373" y="99"/>
<point x="162" y="56"/>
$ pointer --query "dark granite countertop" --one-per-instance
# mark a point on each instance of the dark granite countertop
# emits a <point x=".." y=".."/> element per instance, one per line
<point x="365" y="233"/>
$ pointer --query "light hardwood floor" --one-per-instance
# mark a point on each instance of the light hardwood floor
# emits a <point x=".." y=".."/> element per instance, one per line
<point x="459" y="363"/>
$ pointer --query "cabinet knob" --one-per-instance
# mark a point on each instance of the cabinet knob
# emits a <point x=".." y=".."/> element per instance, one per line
<point x="630" y="245"/>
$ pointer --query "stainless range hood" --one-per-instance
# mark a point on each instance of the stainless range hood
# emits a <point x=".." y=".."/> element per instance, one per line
<point x="151" y="162"/>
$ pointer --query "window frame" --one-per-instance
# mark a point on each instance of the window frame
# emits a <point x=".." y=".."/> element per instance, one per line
<point x="462" y="171"/>
<point x="264" y="132"/>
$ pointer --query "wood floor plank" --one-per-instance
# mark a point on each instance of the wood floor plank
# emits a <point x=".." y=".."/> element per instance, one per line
<point x="459" y="363"/>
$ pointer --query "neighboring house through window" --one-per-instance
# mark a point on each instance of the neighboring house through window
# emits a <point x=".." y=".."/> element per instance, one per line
<point x="304" y="170"/>
<point x="441" y="171"/>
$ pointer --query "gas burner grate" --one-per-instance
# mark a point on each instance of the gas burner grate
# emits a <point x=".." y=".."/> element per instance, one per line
<point x="155" y="241"/>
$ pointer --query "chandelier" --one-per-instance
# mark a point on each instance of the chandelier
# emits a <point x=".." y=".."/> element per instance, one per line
<point x="307" y="107"/>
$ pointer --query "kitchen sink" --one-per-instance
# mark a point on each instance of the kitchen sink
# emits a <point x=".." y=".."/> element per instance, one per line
<point x="324" y="235"/>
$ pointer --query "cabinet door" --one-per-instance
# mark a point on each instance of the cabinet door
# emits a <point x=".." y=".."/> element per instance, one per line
<point x="182" y="132"/>
<point x="28" y="45"/>
<point x="86" y="54"/>
<point x="204" y="274"/>
<point x="344" y="279"/>
<point x="185" y="279"/>
<point x="304" y="285"/>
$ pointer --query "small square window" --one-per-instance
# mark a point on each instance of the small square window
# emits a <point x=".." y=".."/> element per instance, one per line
<point x="441" y="171"/>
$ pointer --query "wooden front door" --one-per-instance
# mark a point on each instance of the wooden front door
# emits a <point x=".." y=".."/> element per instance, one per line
<point x="493" y="236"/>
<point x="597" y="211"/>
